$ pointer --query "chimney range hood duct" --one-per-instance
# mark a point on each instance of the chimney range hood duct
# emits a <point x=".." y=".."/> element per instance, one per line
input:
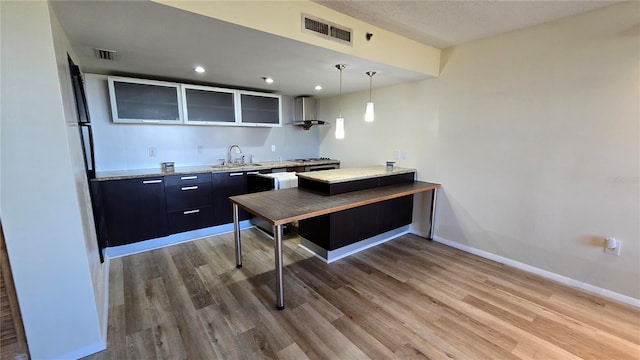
<point x="305" y="112"/>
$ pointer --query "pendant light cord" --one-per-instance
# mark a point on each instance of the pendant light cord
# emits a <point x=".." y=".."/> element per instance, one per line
<point x="370" y="73"/>
<point x="340" y="67"/>
<point x="340" y="93"/>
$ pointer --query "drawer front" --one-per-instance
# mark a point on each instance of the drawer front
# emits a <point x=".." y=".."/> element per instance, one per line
<point x="187" y="179"/>
<point x="188" y="196"/>
<point x="190" y="219"/>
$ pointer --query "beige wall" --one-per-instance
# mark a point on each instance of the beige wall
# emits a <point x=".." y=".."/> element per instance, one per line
<point x="40" y="206"/>
<point x="283" y="18"/>
<point x="99" y="271"/>
<point x="535" y="137"/>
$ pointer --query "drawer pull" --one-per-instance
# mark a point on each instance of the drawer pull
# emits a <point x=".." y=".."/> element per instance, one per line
<point x="188" y="177"/>
<point x="253" y="173"/>
<point x="189" y="188"/>
<point x="151" y="181"/>
<point x="235" y="174"/>
<point x="188" y="212"/>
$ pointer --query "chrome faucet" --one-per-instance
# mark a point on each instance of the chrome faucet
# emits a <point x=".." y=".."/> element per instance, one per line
<point x="238" y="151"/>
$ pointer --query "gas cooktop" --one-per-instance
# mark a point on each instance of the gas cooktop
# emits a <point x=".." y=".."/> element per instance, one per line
<point x="312" y="159"/>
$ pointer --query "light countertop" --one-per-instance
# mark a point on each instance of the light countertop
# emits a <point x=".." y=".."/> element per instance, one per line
<point x="351" y="174"/>
<point x="182" y="170"/>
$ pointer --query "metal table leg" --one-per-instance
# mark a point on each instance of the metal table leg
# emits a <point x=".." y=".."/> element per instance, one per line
<point x="433" y="214"/>
<point x="277" y="237"/>
<point x="236" y="235"/>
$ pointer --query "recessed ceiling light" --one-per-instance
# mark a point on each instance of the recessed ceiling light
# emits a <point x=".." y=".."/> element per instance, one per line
<point x="318" y="88"/>
<point x="198" y="69"/>
<point x="268" y="80"/>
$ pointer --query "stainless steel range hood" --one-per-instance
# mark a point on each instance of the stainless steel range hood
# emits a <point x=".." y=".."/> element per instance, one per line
<point x="305" y="112"/>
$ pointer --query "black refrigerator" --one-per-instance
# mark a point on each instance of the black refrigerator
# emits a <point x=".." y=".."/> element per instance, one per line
<point x="86" y="141"/>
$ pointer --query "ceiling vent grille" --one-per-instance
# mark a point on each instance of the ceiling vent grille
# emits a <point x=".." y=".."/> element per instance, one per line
<point x="326" y="29"/>
<point x="105" y="54"/>
<point x="316" y="26"/>
<point x="340" y="34"/>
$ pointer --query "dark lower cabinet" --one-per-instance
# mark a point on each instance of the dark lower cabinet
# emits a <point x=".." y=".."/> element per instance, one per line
<point x="185" y="220"/>
<point x="189" y="202"/>
<point x="346" y="227"/>
<point x="395" y="213"/>
<point x="225" y="185"/>
<point x="133" y="210"/>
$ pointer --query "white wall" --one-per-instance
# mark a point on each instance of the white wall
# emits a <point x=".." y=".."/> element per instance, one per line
<point x="534" y="135"/>
<point x="40" y="205"/>
<point x="99" y="271"/>
<point x="126" y="146"/>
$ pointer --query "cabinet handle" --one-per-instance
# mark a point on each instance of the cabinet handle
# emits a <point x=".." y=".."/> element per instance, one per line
<point x="236" y="174"/>
<point x="150" y="121"/>
<point x="189" y="188"/>
<point x="188" y="177"/>
<point x="151" y="181"/>
<point x="188" y="212"/>
<point x="253" y="173"/>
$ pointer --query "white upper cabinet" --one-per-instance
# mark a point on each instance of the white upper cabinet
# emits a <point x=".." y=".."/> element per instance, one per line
<point x="159" y="102"/>
<point x="260" y="109"/>
<point x="205" y="105"/>
<point x="145" y="101"/>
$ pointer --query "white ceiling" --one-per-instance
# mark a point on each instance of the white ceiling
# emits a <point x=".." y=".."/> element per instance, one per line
<point x="447" y="23"/>
<point x="156" y="41"/>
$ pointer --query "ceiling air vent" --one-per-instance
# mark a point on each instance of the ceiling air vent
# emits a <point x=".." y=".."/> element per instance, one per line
<point x="326" y="29"/>
<point x="316" y="26"/>
<point x="105" y="54"/>
<point x="341" y="34"/>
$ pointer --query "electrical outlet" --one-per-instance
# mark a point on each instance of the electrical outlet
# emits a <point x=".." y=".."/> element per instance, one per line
<point x="396" y="154"/>
<point x="403" y="155"/>
<point x="612" y="246"/>
<point x="200" y="149"/>
<point x="152" y="152"/>
<point x="273" y="148"/>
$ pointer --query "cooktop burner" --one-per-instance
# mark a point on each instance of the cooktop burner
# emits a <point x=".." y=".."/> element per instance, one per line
<point x="312" y="159"/>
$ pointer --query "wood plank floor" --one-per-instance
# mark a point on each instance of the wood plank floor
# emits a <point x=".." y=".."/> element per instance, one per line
<point x="407" y="299"/>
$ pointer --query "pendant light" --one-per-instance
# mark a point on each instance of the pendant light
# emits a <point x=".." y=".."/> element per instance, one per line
<point x="340" y="119"/>
<point x="369" y="114"/>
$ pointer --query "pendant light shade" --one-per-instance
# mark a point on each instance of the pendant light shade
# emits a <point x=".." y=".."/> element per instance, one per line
<point x="369" y="114"/>
<point x="340" y="119"/>
<point x="339" y="128"/>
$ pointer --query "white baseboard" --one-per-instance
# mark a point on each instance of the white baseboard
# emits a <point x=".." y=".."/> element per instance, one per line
<point x="330" y="256"/>
<point x="541" y="272"/>
<point x="141" y="246"/>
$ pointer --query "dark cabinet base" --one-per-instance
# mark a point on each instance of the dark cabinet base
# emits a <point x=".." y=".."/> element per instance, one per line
<point x="133" y="210"/>
<point x="346" y="227"/>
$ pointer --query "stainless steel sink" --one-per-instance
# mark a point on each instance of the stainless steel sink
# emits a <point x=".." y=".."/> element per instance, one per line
<point x="234" y="166"/>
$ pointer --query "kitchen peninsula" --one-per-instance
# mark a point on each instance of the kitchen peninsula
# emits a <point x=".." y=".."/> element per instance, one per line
<point x="336" y="209"/>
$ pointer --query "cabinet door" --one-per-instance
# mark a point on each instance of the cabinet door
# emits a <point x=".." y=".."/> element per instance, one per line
<point x="134" y="210"/>
<point x="192" y="219"/>
<point x="208" y="105"/>
<point x="225" y="185"/>
<point x="144" y="101"/>
<point x="188" y="196"/>
<point x="260" y="109"/>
